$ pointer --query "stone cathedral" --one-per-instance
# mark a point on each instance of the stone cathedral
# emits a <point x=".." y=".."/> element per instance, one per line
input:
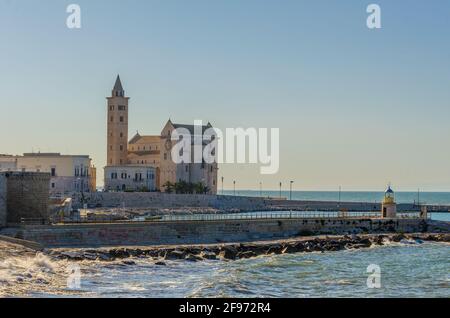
<point x="144" y="162"/>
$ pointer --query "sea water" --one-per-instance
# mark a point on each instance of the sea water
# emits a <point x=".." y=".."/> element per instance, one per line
<point x="419" y="270"/>
<point x="438" y="198"/>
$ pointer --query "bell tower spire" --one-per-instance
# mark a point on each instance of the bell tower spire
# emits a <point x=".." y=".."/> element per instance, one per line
<point x="118" y="89"/>
<point x="117" y="126"/>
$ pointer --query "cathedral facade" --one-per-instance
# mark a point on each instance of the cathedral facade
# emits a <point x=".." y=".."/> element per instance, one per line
<point x="145" y="163"/>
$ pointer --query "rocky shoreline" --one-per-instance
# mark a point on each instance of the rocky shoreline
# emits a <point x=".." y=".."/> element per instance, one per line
<point x="237" y="251"/>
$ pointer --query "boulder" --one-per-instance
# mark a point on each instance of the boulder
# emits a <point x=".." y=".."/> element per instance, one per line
<point x="228" y="252"/>
<point x="105" y="257"/>
<point x="129" y="263"/>
<point x="160" y="264"/>
<point x="208" y="255"/>
<point x="90" y="256"/>
<point x="246" y="254"/>
<point x="74" y="256"/>
<point x="119" y="253"/>
<point x="288" y="249"/>
<point x="274" y="249"/>
<point x="398" y="237"/>
<point x="193" y="258"/>
<point x="175" y="254"/>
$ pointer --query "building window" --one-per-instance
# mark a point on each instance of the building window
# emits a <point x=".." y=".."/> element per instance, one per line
<point x="111" y="107"/>
<point x="112" y="118"/>
<point x="122" y="107"/>
<point x="53" y="172"/>
<point x="187" y="168"/>
<point x="53" y="185"/>
<point x="121" y="135"/>
<point x="121" y="119"/>
<point x="165" y="156"/>
<point x="121" y="147"/>
<point x="111" y="147"/>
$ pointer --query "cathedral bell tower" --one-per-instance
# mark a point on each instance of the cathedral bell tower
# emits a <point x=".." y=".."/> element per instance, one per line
<point x="117" y="127"/>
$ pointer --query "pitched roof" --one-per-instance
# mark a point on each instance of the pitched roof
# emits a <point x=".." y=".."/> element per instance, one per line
<point x="135" y="138"/>
<point x="118" y="85"/>
<point x="191" y="128"/>
<point x="144" y="139"/>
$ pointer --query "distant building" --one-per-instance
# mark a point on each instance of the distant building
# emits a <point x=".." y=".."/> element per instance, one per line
<point x="8" y="163"/>
<point x="129" y="177"/>
<point x="147" y="152"/>
<point x="68" y="173"/>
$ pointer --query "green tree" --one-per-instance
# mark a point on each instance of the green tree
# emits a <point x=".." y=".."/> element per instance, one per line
<point x="169" y="186"/>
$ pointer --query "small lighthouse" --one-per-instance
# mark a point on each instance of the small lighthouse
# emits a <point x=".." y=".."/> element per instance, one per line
<point x="389" y="207"/>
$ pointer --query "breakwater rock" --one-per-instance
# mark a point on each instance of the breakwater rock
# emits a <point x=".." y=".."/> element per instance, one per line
<point x="237" y="251"/>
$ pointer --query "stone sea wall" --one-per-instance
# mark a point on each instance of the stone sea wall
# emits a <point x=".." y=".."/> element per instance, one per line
<point x="3" y="194"/>
<point x="219" y="202"/>
<point x="165" y="200"/>
<point x="207" y="232"/>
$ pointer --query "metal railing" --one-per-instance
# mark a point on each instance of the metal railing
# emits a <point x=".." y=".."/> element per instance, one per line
<point x="281" y="215"/>
<point x="276" y="215"/>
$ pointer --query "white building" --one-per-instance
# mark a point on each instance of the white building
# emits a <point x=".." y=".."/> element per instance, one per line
<point x="130" y="178"/>
<point x="69" y="173"/>
<point x="8" y="163"/>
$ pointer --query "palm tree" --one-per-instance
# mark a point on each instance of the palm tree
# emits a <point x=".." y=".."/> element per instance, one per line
<point x="169" y="186"/>
<point x="198" y="187"/>
<point x="181" y="187"/>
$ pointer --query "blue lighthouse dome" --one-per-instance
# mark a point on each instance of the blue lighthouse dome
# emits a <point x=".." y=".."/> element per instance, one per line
<point x="389" y="190"/>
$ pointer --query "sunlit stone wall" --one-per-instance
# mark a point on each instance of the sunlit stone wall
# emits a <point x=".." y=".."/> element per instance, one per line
<point x="2" y="199"/>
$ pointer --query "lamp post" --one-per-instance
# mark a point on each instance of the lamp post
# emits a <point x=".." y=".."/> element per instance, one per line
<point x="290" y="190"/>
<point x="339" y="204"/>
<point x="222" y="185"/>
<point x="280" y="189"/>
<point x="260" y="189"/>
<point x="234" y="187"/>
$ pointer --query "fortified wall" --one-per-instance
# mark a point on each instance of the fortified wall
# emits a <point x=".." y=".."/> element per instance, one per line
<point x="27" y="195"/>
<point x="165" y="201"/>
<point x="206" y="232"/>
<point x="3" y="194"/>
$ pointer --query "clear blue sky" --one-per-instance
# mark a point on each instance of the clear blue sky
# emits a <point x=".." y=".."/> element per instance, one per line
<point x="356" y="107"/>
